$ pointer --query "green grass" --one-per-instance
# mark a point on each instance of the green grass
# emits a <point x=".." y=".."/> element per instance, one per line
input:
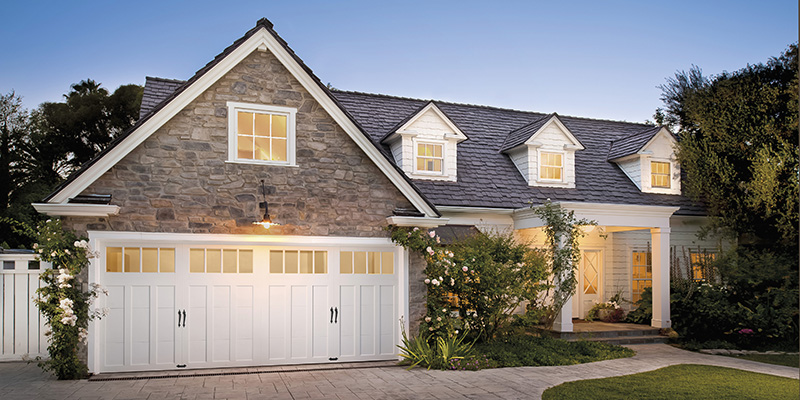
<point x="518" y="351"/>
<point x="686" y="381"/>
<point x="789" y="360"/>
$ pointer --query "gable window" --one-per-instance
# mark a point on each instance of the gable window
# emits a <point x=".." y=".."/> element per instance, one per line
<point x="551" y="166"/>
<point x="430" y="157"/>
<point x="659" y="172"/>
<point x="261" y="134"/>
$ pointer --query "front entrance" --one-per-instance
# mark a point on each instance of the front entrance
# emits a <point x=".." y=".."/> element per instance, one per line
<point x="178" y="305"/>
<point x="589" y="277"/>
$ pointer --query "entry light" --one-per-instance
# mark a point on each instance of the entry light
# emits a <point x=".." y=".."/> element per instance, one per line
<point x="266" y="221"/>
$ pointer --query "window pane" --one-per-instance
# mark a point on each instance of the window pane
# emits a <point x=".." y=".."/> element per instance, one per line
<point x="8" y="264"/>
<point x="422" y="150"/>
<point x="213" y="260"/>
<point x="245" y="261"/>
<point x="278" y="149"/>
<point x="244" y="123"/>
<point x="149" y="260"/>
<point x="306" y="262"/>
<point x="262" y="124"/>
<point x="276" y="261"/>
<point x="437" y="166"/>
<point x="279" y="126"/>
<point x="34" y="265"/>
<point x="387" y="262"/>
<point x="245" y="147"/>
<point x="437" y="150"/>
<point x="346" y="262"/>
<point x="113" y="259"/>
<point x="360" y="262"/>
<point x="262" y="148"/>
<point x="229" y="261"/>
<point x="291" y="262"/>
<point x="374" y="261"/>
<point x="166" y="260"/>
<point x="131" y="259"/>
<point x="420" y="164"/>
<point x="320" y="262"/>
<point x="197" y="260"/>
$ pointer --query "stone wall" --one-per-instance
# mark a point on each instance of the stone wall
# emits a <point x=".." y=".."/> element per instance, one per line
<point x="416" y="291"/>
<point x="178" y="180"/>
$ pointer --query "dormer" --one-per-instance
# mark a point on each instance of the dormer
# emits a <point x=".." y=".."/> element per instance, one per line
<point x="544" y="152"/>
<point x="425" y="146"/>
<point x="648" y="159"/>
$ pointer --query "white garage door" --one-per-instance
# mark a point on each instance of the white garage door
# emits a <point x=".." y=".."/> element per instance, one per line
<point x="204" y="306"/>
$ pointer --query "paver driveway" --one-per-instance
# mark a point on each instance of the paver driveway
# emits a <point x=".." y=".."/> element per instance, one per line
<point x="25" y="381"/>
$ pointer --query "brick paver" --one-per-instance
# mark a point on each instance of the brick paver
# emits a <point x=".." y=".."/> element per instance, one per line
<point x="25" y="381"/>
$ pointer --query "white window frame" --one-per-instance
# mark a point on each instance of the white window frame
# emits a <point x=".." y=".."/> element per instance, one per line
<point x="416" y="144"/>
<point x="669" y="174"/>
<point x="539" y="165"/>
<point x="291" y="117"/>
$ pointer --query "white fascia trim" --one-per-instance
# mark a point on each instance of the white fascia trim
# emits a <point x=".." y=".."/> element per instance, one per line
<point x="629" y="215"/>
<point x="212" y="239"/>
<point x="460" y="136"/>
<point x="475" y="210"/>
<point x="422" y="222"/>
<point x="259" y="39"/>
<point x="662" y="131"/>
<point x="616" y="209"/>
<point x="554" y="120"/>
<point x="76" y="209"/>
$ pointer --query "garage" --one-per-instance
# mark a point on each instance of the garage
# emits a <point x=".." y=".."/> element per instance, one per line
<point x="209" y="301"/>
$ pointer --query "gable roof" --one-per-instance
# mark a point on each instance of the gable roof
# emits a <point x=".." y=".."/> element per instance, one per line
<point x="261" y="37"/>
<point x="429" y="106"/>
<point x="155" y="91"/>
<point x="488" y="178"/>
<point x="631" y="144"/>
<point x="526" y="133"/>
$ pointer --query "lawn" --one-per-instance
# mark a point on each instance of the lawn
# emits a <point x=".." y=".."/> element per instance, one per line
<point x="686" y="381"/>
<point x="789" y="360"/>
<point x="524" y="350"/>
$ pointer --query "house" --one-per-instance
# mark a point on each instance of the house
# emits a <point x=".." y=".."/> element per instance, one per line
<point x="194" y="283"/>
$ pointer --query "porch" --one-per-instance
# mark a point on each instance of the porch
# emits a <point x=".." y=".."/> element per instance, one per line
<point x="613" y="333"/>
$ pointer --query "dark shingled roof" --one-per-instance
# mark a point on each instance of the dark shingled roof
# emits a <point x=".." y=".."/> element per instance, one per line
<point x="488" y="178"/>
<point x="155" y="91"/>
<point x="631" y="144"/>
<point x="521" y="135"/>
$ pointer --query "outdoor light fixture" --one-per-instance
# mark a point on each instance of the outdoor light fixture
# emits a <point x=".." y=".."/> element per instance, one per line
<point x="266" y="222"/>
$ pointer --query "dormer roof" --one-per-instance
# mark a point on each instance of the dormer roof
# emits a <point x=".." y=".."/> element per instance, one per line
<point x="407" y="124"/>
<point x="527" y="133"/>
<point x="634" y="143"/>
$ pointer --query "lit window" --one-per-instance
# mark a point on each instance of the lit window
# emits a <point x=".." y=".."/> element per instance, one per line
<point x="551" y="166"/>
<point x="429" y="157"/>
<point x="140" y="259"/>
<point x="659" y="171"/>
<point x="261" y="134"/>
<point x="701" y="264"/>
<point x="642" y="270"/>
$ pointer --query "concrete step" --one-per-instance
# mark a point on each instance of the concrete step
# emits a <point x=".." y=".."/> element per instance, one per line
<point x="625" y="339"/>
<point x="605" y="334"/>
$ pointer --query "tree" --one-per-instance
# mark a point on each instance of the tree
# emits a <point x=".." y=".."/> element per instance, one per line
<point x="13" y="124"/>
<point x="739" y="146"/>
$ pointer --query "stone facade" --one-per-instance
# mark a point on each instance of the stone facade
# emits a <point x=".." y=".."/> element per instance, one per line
<point x="178" y="180"/>
<point x="416" y="291"/>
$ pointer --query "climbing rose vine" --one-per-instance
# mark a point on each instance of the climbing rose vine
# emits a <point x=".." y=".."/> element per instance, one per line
<point x="63" y="300"/>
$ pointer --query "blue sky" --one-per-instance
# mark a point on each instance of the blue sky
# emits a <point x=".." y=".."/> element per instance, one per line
<point x="600" y="59"/>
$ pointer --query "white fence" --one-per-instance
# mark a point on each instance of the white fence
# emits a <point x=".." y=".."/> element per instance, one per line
<point x="21" y="326"/>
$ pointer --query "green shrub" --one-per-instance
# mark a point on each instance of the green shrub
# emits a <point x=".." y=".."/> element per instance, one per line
<point x="518" y="351"/>
<point x="434" y="352"/>
<point x="643" y="313"/>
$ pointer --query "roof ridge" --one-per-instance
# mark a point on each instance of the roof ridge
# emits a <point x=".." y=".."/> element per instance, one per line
<point x="165" y="79"/>
<point x="483" y="106"/>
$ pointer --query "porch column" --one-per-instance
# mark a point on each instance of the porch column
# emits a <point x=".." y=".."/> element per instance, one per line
<point x="660" y="240"/>
<point x="563" y="321"/>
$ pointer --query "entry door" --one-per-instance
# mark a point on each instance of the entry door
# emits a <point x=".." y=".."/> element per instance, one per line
<point x="589" y="280"/>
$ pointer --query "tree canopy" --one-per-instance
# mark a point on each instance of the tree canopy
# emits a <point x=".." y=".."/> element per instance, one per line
<point x="739" y="146"/>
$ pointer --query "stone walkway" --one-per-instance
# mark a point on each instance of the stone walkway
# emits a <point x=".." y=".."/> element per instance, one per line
<point x="26" y="381"/>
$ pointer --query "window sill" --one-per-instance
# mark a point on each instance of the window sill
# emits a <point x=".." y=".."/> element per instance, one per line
<point x="256" y="162"/>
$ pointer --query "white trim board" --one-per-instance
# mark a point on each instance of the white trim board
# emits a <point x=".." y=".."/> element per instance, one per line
<point x="261" y="40"/>
<point x="76" y="209"/>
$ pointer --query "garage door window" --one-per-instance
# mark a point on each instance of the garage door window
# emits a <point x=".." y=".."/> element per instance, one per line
<point x="228" y="261"/>
<point x="366" y="262"/>
<point x="140" y="259"/>
<point x="298" y="262"/>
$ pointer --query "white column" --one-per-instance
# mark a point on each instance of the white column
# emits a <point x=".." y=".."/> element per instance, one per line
<point x="563" y="322"/>
<point x="660" y="240"/>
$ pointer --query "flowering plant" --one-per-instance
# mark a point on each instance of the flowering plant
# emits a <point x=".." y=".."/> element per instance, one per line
<point x="62" y="299"/>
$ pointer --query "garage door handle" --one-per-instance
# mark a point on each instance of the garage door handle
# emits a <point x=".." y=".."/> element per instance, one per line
<point x="184" y="318"/>
<point x="179" y="318"/>
<point x="336" y="319"/>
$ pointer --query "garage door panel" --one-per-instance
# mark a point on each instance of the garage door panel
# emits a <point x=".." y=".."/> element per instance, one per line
<point x="221" y="324"/>
<point x="347" y="326"/>
<point x="197" y="324"/>
<point x="387" y="325"/>
<point x="278" y="322"/>
<point x="299" y="324"/>
<point x="243" y="318"/>
<point x="320" y="322"/>
<point x="166" y="324"/>
<point x="140" y="325"/>
<point x="367" y="321"/>
<point x="114" y="324"/>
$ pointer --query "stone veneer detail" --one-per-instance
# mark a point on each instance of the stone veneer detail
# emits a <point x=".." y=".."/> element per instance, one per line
<point x="178" y="180"/>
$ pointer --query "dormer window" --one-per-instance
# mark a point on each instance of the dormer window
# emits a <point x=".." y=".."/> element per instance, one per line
<point x="551" y="167"/>
<point x="425" y="146"/>
<point x="430" y="158"/>
<point x="659" y="173"/>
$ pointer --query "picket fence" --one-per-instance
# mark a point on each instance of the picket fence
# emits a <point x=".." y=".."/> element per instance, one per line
<point x="21" y="325"/>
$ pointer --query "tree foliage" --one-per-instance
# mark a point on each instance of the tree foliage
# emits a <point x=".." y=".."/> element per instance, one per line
<point x="739" y="145"/>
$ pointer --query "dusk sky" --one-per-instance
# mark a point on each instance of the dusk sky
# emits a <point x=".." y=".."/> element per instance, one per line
<point x="600" y="59"/>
